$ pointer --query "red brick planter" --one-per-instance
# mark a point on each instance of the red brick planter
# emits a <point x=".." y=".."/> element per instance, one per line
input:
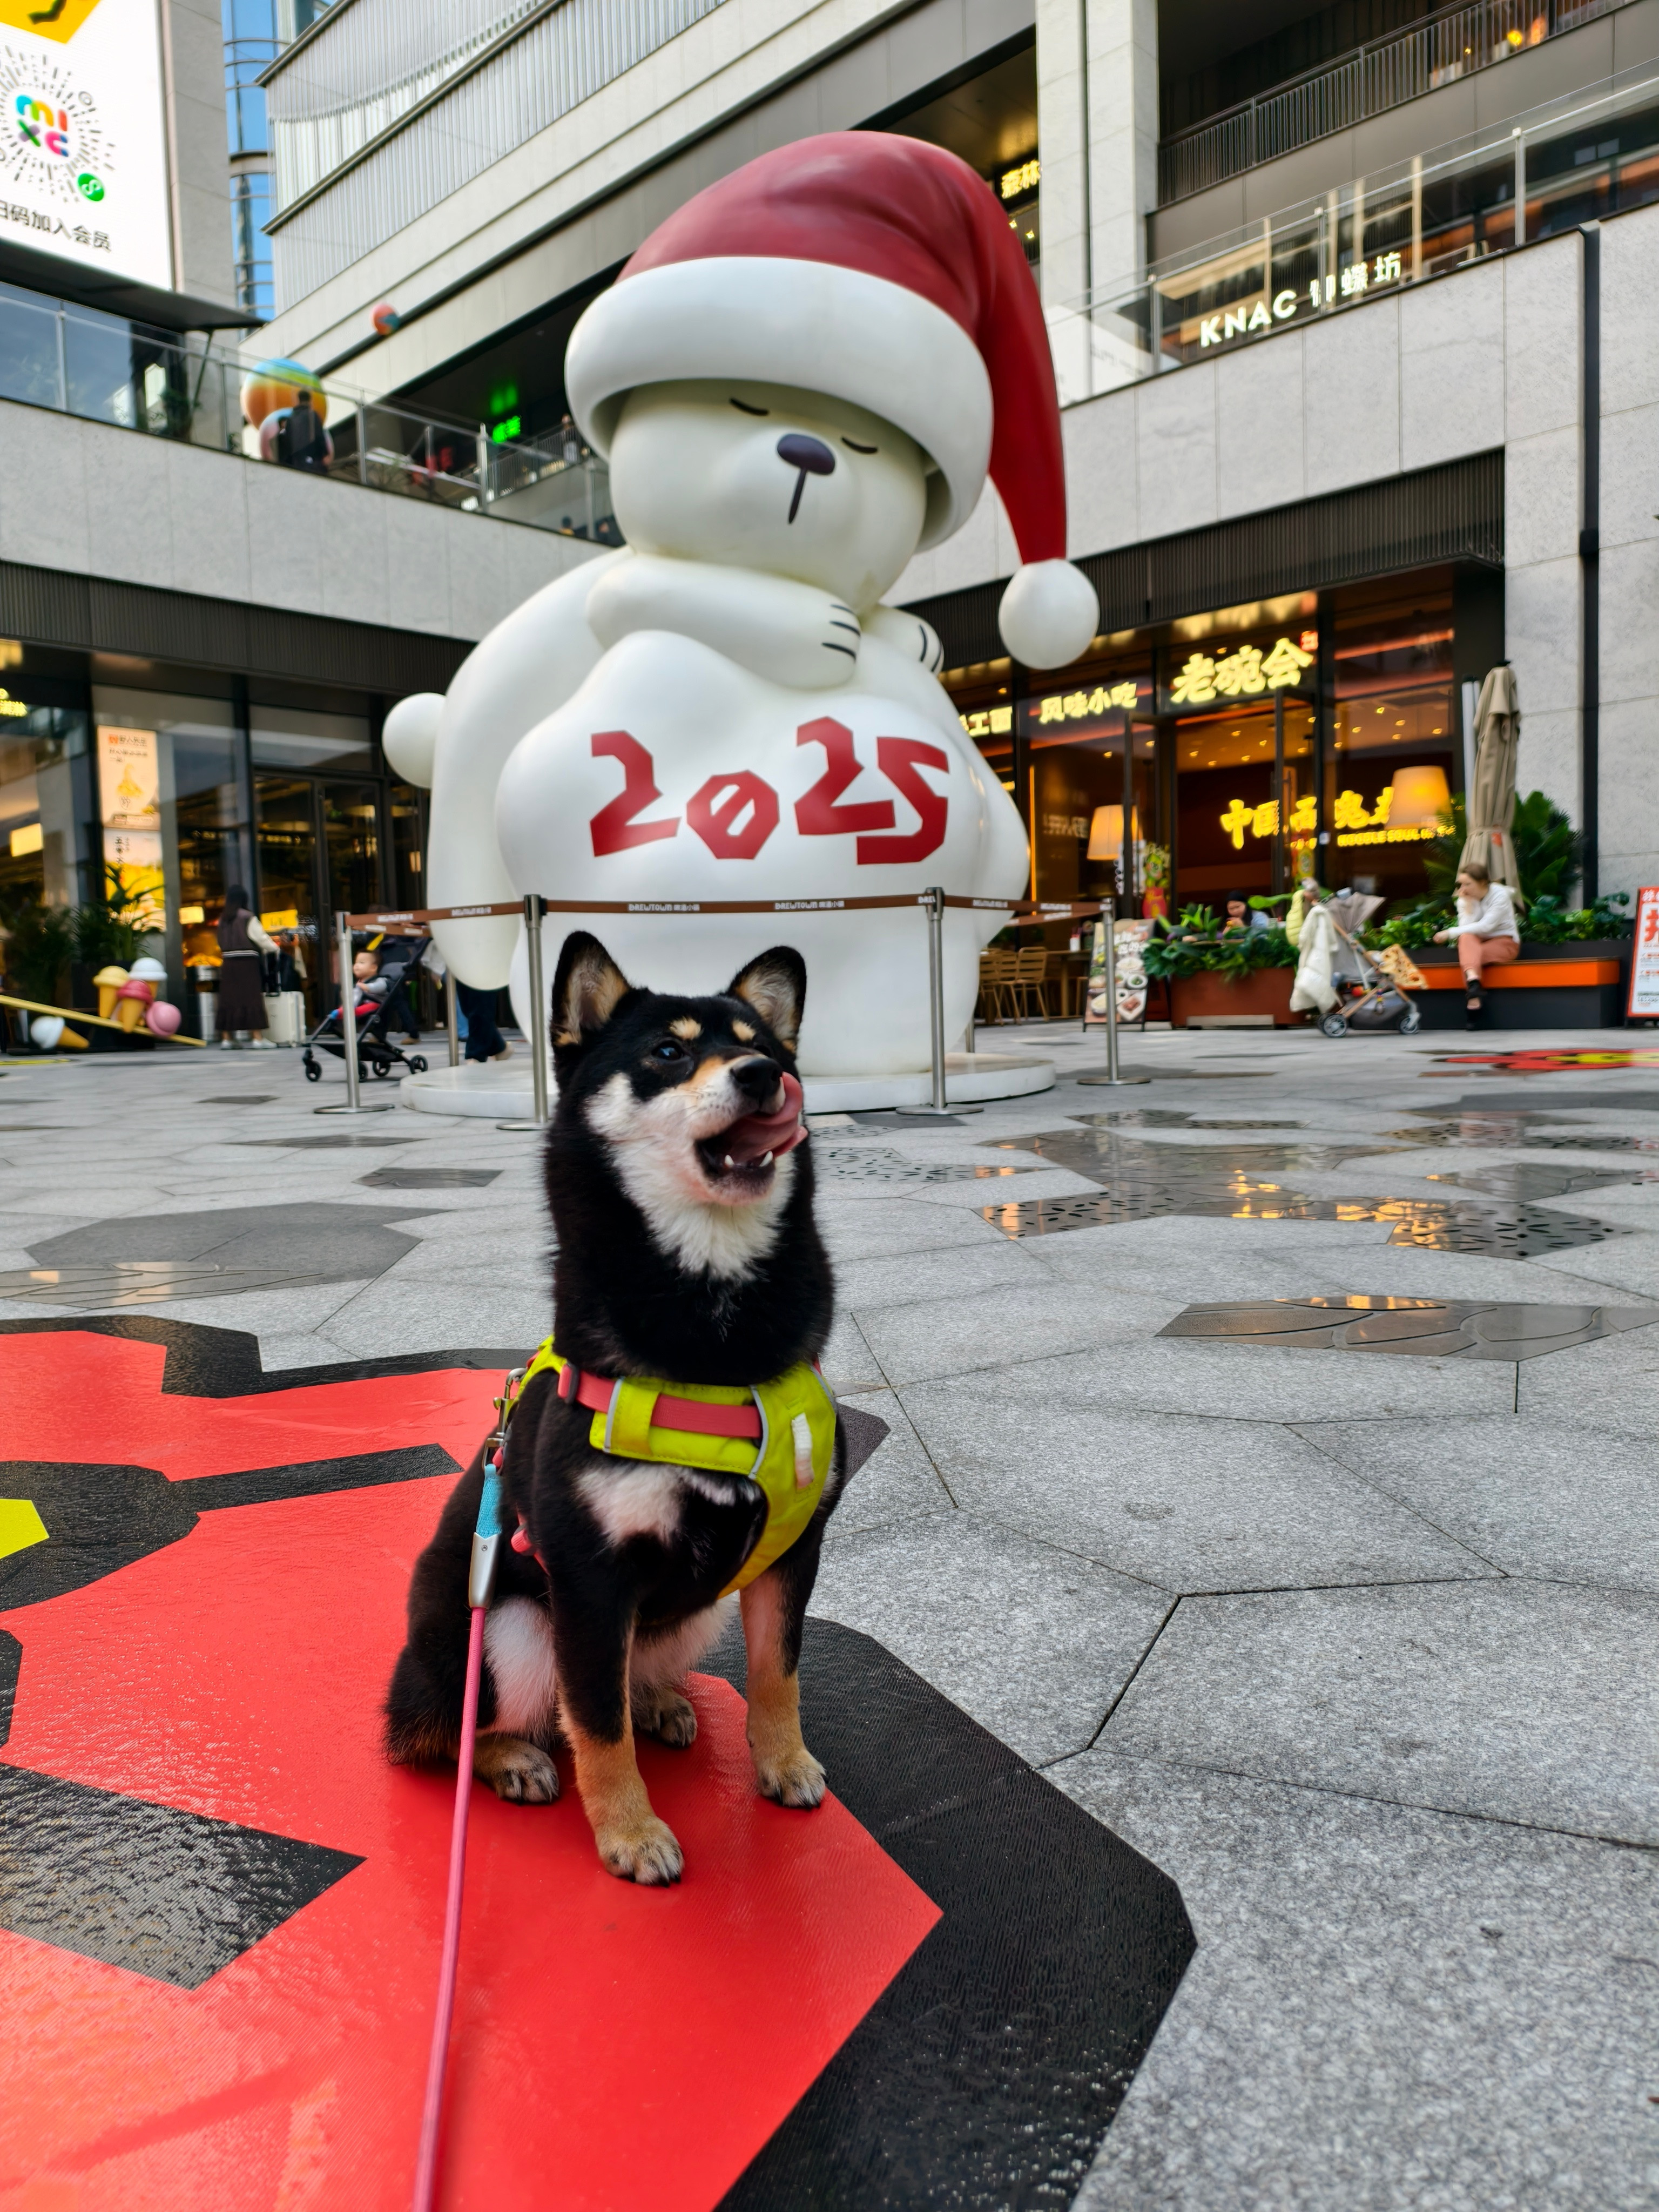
<point x="1202" y="997"/>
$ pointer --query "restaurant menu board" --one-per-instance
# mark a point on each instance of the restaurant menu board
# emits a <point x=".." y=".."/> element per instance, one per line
<point x="1129" y="950"/>
<point x="1644" y="1003"/>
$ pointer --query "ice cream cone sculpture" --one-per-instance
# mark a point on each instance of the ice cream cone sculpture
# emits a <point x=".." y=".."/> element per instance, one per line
<point x="109" y="982"/>
<point x="131" y="1001"/>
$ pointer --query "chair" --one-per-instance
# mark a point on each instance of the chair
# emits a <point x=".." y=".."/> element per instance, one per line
<point x="996" y="982"/>
<point x="1030" y="981"/>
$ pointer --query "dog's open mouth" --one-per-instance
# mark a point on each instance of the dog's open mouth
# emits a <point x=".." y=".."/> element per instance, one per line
<point x="747" y="1151"/>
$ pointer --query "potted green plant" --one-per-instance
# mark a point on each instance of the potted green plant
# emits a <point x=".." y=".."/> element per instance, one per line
<point x="1210" y="975"/>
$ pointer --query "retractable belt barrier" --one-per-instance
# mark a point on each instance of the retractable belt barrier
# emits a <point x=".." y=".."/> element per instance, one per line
<point x="531" y="908"/>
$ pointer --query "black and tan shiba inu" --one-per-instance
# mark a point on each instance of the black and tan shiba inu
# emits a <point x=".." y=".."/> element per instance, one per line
<point x="681" y="1197"/>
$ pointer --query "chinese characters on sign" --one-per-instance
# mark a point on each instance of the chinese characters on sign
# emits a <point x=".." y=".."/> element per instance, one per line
<point x="1024" y="178"/>
<point x="32" y="219"/>
<point x="1363" y="825"/>
<point x="1079" y="706"/>
<point x="1243" y="673"/>
<point x="1352" y="282"/>
<point x="989" y="721"/>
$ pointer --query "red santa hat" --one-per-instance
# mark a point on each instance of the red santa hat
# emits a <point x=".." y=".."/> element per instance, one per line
<point x="882" y="270"/>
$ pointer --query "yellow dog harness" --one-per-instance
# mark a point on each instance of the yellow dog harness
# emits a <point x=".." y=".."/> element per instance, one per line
<point x="781" y="1435"/>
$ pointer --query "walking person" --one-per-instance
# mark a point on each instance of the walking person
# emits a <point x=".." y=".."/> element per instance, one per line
<point x="1487" y="933"/>
<point x="484" y="1040"/>
<point x="242" y="945"/>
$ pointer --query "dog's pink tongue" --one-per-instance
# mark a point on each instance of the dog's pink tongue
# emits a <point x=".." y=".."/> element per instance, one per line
<point x="756" y="1134"/>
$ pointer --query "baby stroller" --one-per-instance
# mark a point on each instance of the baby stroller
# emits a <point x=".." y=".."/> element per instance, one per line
<point x="376" y="1053"/>
<point x="1368" y="995"/>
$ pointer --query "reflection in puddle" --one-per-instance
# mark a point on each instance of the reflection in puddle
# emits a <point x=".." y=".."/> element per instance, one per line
<point x="1140" y="1181"/>
<point x="1427" y="1327"/>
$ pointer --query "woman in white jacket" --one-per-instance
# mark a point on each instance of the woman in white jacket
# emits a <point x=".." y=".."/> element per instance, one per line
<point x="1487" y="933"/>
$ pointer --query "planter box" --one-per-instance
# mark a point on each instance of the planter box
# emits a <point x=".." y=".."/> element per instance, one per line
<point x="1551" y="986"/>
<point x="1205" y="997"/>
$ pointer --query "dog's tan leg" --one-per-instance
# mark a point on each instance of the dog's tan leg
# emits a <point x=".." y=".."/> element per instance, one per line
<point x="516" y="1769"/>
<point x="784" y="1768"/>
<point x="633" y="1842"/>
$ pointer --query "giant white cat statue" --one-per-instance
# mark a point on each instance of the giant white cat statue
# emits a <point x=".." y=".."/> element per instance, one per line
<point x="725" y="709"/>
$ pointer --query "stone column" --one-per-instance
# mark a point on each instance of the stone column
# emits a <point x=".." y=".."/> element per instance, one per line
<point x="1097" y="112"/>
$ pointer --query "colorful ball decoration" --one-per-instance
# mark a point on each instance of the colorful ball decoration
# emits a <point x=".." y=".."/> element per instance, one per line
<point x="162" y="1019"/>
<point x="274" y="384"/>
<point x="386" y="320"/>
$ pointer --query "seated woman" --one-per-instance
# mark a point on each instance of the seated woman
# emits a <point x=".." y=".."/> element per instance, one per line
<point x="1487" y="933"/>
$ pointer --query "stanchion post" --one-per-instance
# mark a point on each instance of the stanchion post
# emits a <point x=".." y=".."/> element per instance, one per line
<point x="532" y="922"/>
<point x="354" y="1097"/>
<point x="451" y="1018"/>
<point x="349" y="1020"/>
<point x="1109" y="922"/>
<point x="1114" y="1076"/>
<point x="933" y="904"/>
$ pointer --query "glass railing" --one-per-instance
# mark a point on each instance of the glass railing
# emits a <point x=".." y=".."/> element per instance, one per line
<point x="165" y="385"/>
<point x="1581" y="158"/>
<point x="1451" y="44"/>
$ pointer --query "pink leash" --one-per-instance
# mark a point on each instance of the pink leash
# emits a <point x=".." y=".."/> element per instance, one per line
<point x="486" y="1541"/>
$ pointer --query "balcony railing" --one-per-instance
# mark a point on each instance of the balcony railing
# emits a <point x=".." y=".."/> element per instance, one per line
<point x="1580" y="158"/>
<point x="107" y="370"/>
<point x="1375" y="77"/>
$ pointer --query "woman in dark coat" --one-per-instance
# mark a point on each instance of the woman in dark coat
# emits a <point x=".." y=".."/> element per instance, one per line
<point x="242" y="941"/>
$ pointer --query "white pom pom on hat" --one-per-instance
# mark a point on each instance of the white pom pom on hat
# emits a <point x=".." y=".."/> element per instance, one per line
<point x="881" y="269"/>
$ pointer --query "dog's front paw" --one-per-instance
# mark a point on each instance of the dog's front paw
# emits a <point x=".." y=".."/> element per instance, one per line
<point x="519" y="1772"/>
<point x="791" y="1778"/>
<point x="645" y="1851"/>
<point x="664" y="1713"/>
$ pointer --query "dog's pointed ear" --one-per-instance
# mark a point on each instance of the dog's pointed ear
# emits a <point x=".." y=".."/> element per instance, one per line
<point x="587" y="987"/>
<point x="774" y="985"/>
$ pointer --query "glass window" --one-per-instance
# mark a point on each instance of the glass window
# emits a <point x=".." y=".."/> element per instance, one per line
<point x="292" y="738"/>
<point x="1081" y="770"/>
<point x="351" y="826"/>
<point x="28" y="349"/>
<point x="1393" y="713"/>
<point x="249" y="211"/>
<point x="39" y="834"/>
<point x="169" y="788"/>
<point x="1233" y="802"/>
<point x="408" y="839"/>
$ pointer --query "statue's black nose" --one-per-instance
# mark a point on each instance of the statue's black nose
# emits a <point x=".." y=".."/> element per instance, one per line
<point x="809" y="453"/>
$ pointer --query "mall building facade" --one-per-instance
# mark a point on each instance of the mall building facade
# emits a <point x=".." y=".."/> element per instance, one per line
<point x="1351" y="310"/>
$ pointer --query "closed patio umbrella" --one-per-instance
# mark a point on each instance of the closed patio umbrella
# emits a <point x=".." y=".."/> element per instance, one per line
<point x="1491" y="805"/>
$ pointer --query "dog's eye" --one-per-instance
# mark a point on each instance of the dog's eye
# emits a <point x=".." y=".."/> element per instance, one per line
<point x="667" y="1052"/>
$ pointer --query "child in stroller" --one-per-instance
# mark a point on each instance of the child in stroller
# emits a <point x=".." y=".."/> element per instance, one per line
<point x="378" y="968"/>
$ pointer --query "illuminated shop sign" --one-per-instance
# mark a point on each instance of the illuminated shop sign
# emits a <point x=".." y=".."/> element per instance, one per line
<point x="1244" y="673"/>
<point x="988" y="722"/>
<point x="1081" y="705"/>
<point x="1356" y="822"/>
<point x="1022" y="178"/>
<point x="1352" y="283"/>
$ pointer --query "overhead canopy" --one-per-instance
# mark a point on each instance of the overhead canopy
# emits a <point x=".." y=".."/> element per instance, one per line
<point x="117" y="295"/>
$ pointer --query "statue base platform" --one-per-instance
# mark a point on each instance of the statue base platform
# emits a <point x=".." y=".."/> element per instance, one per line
<point x="501" y="1092"/>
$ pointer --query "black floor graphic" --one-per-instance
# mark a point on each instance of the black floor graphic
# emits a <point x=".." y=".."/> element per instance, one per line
<point x="895" y="1118"/>
<point x="337" y="1142"/>
<point x="1587" y="1140"/>
<point x="1525" y="1181"/>
<point x="1476" y="1129"/>
<point x="987" y="2074"/>
<point x="11" y="1660"/>
<point x="1542" y="1094"/>
<point x="429" y="1178"/>
<point x="1166" y="1117"/>
<point x="1142" y="1181"/>
<point x="167" y="1893"/>
<point x="1430" y="1328"/>
<point x="97" y="1519"/>
<point x="148" y="1258"/>
<point x="1186" y="1074"/>
<point x="847" y="1164"/>
<point x="248" y="1098"/>
<point x="205" y="1362"/>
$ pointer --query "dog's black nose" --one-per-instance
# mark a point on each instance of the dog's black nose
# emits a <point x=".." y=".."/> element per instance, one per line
<point x="812" y="454"/>
<point x="757" y="1079"/>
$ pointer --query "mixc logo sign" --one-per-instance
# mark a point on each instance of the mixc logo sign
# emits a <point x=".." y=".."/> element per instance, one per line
<point x="50" y="135"/>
